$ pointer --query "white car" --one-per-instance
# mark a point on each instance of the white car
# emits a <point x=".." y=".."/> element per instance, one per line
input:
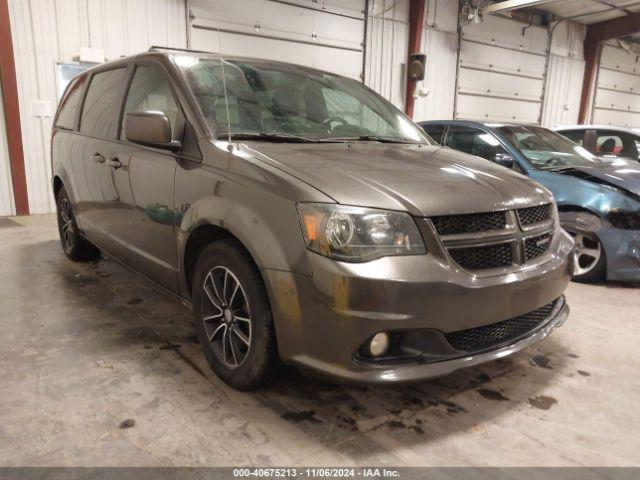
<point x="605" y="140"/>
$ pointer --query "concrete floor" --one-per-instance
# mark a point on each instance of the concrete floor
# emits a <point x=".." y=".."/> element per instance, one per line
<point x="85" y="347"/>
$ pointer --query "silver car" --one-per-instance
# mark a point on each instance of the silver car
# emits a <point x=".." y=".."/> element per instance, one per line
<point x="305" y="219"/>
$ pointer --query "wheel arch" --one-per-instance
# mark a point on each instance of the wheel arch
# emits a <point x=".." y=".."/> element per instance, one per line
<point x="57" y="185"/>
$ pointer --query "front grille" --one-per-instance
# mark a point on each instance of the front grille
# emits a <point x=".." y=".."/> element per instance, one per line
<point x="533" y="215"/>
<point x="481" y="258"/>
<point x="496" y="334"/>
<point x="485" y="241"/>
<point x="470" y="223"/>
<point x="536" y="246"/>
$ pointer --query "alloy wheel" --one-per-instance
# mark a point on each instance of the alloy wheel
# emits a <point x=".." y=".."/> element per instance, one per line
<point x="226" y="316"/>
<point x="586" y="254"/>
<point x="66" y="224"/>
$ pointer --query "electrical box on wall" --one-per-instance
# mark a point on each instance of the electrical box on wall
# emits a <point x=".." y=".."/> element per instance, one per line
<point x="417" y="65"/>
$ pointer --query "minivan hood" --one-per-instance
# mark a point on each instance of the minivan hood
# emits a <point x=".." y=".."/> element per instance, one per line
<point x="619" y="173"/>
<point x="423" y="180"/>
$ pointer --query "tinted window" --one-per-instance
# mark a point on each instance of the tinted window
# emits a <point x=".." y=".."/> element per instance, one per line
<point x="435" y="132"/>
<point x="102" y="104"/>
<point x="576" y="136"/>
<point x="150" y="91"/>
<point x="70" y="105"/>
<point x="474" y="141"/>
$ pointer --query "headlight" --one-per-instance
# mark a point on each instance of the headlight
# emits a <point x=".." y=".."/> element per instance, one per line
<point x="356" y="234"/>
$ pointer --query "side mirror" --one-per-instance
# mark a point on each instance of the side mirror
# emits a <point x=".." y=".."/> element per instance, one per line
<point x="504" y="159"/>
<point x="150" y="128"/>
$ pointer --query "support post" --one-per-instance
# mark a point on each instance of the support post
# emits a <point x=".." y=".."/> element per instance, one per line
<point x="416" y="27"/>
<point x="12" y="112"/>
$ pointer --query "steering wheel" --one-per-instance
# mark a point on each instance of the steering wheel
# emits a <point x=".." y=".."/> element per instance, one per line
<point x="329" y="120"/>
<point x="552" y="161"/>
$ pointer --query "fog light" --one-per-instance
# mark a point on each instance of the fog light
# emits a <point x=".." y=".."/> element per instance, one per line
<point x="379" y="344"/>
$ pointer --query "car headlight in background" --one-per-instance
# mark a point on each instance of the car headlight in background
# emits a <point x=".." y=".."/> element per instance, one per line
<point x="357" y="234"/>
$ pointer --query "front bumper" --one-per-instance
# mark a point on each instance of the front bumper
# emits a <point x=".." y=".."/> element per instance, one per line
<point x="622" y="251"/>
<point x="323" y="320"/>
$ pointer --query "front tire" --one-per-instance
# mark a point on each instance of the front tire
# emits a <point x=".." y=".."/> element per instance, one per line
<point x="74" y="245"/>
<point x="589" y="261"/>
<point x="233" y="316"/>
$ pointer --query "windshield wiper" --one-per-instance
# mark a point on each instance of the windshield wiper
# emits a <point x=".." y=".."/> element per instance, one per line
<point x="269" y="137"/>
<point x="368" y="138"/>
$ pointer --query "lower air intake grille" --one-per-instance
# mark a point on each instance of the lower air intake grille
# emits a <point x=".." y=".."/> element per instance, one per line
<point x="481" y="258"/>
<point x="536" y="246"/>
<point x="533" y="215"/>
<point x="470" y="223"/>
<point x="494" y="335"/>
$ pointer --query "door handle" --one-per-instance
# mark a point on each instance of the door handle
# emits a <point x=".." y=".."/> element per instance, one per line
<point x="98" y="158"/>
<point x="114" y="163"/>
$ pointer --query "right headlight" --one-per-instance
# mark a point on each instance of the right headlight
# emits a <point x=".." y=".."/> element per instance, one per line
<point x="358" y="234"/>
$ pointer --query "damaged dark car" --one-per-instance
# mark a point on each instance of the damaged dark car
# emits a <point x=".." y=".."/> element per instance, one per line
<point x="598" y="198"/>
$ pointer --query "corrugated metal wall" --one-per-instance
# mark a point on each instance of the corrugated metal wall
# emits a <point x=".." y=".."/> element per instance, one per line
<point x="48" y="31"/>
<point x="617" y="93"/>
<point x="386" y="56"/>
<point x="7" y="206"/>
<point x="564" y="78"/>
<point x="326" y="35"/>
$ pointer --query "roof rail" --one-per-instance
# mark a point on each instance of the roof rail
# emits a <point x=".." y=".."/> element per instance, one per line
<point x="156" y="48"/>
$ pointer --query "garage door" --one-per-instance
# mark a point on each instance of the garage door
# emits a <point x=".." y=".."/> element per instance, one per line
<point x="501" y="71"/>
<point x="328" y="35"/>
<point x="617" y="98"/>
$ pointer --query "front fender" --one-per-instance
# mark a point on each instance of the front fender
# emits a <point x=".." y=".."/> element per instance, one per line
<point x="264" y="220"/>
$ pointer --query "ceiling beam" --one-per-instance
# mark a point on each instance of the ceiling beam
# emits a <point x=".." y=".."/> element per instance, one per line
<point x="510" y="5"/>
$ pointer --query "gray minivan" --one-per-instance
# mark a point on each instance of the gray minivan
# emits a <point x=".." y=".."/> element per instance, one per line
<point x="304" y="218"/>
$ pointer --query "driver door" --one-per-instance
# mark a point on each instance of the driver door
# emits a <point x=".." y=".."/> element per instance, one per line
<point x="150" y="228"/>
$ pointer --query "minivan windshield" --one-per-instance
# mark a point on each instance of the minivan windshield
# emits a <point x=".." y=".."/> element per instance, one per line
<point x="546" y="149"/>
<point x="279" y="102"/>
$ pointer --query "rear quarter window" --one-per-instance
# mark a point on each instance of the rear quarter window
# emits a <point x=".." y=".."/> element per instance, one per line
<point x="101" y="110"/>
<point x="70" y="105"/>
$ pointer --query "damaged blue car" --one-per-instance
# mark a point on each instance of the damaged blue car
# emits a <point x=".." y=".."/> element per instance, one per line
<point x="598" y="199"/>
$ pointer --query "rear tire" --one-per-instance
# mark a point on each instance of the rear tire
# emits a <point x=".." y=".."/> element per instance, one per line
<point x="233" y="316"/>
<point x="74" y="245"/>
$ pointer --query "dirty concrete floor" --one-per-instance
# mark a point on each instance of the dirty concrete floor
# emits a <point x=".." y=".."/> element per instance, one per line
<point x="86" y="347"/>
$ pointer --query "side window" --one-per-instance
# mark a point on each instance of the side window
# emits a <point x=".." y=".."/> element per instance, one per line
<point x="461" y="138"/>
<point x="475" y="142"/>
<point x="150" y="90"/>
<point x="576" y="136"/>
<point x="102" y="104"/>
<point x="609" y="144"/>
<point x="486" y="145"/>
<point x="435" y="131"/>
<point x="68" y="112"/>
